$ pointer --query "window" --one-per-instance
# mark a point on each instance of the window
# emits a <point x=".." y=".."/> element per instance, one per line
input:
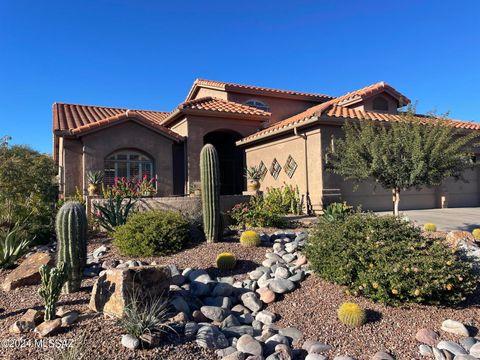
<point x="128" y="164"/>
<point x="380" y="103"/>
<point x="258" y="104"/>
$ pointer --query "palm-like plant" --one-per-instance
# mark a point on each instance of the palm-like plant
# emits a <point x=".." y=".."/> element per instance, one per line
<point x="13" y="245"/>
<point x="113" y="212"/>
<point x="253" y="173"/>
<point x="95" y="177"/>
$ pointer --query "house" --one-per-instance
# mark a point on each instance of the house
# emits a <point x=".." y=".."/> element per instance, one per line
<point x="284" y="132"/>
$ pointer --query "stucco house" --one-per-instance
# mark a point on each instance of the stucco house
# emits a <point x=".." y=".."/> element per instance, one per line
<point x="284" y="132"/>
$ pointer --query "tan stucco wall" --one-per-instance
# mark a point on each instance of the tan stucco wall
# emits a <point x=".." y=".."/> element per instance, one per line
<point x="279" y="107"/>
<point x="308" y="172"/>
<point x="71" y="167"/>
<point x="367" y="104"/>
<point x="202" y="92"/>
<point x="92" y="149"/>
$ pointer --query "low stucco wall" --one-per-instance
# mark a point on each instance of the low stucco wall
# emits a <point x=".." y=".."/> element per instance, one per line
<point x="190" y="206"/>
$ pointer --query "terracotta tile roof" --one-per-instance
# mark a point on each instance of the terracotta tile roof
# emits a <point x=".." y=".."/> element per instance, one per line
<point x="334" y="108"/>
<point x="370" y="90"/>
<point x="230" y="86"/>
<point x="78" y="119"/>
<point x="211" y="104"/>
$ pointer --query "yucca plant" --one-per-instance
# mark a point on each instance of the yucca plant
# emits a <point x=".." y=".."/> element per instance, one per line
<point x="13" y="245"/>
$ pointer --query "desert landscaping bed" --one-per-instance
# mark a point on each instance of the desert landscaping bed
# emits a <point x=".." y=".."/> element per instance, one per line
<point x="311" y="308"/>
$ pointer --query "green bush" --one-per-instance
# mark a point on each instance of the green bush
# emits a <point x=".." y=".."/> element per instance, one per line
<point x="336" y="211"/>
<point x="284" y="200"/>
<point x="257" y="213"/>
<point x="152" y="233"/>
<point x="388" y="260"/>
<point x="27" y="191"/>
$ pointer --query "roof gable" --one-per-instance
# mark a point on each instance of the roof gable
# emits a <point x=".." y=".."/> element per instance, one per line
<point x="254" y="90"/>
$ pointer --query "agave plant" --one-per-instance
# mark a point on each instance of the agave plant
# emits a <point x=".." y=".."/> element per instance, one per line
<point x="336" y="211"/>
<point x="95" y="177"/>
<point x="253" y="173"/>
<point x="113" y="212"/>
<point x="13" y="245"/>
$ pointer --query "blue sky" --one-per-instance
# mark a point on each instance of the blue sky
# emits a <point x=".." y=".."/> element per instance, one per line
<point x="145" y="54"/>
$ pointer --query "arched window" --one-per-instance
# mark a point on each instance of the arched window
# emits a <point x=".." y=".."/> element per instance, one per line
<point x="258" y="104"/>
<point x="128" y="164"/>
<point x="380" y="103"/>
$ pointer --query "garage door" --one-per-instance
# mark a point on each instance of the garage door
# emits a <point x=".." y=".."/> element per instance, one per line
<point x="378" y="199"/>
<point x="463" y="194"/>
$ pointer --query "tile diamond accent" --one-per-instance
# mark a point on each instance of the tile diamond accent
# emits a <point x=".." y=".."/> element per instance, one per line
<point x="290" y="166"/>
<point x="275" y="169"/>
<point x="263" y="170"/>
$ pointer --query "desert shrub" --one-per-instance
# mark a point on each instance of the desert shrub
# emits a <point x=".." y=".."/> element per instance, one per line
<point x="226" y="261"/>
<point x="336" y="211"/>
<point x="388" y="260"/>
<point x="351" y="314"/>
<point x="250" y="239"/>
<point x="476" y="234"/>
<point x="27" y="190"/>
<point x="152" y="233"/>
<point x="257" y="213"/>
<point x="284" y="200"/>
<point x="429" y="227"/>
<point x="145" y="316"/>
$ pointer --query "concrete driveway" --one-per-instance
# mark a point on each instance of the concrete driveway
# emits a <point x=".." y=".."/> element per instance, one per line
<point x="446" y="219"/>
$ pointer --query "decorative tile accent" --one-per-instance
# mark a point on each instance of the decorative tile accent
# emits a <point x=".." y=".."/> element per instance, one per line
<point x="263" y="170"/>
<point x="290" y="166"/>
<point x="275" y="169"/>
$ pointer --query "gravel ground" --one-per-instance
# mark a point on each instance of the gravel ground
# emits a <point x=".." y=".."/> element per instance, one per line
<point x="311" y="308"/>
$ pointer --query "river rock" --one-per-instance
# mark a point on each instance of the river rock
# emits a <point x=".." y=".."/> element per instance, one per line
<point x="34" y="316"/>
<point x="130" y="341"/>
<point x="281" y="286"/>
<point x="425" y="350"/>
<point x="236" y="355"/>
<point x="454" y="327"/>
<point x="237" y="331"/>
<point x="467" y="342"/>
<point x="215" y="313"/>
<point x="475" y="350"/>
<point x="251" y="301"/>
<point x="199" y="275"/>
<point x="248" y="345"/>
<point x="465" y="357"/>
<point x="427" y="336"/>
<point x="452" y="347"/>
<point x="222" y="289"/>
<point x="69" y="318"/>
<point x="112" y="291"/>
<point x="210" y="337"/>
<point x="266" y="317"/>
<point x="27" y="272"/>
<point x="315" y="357"/>
<point x="438" y="354"/>
<point x="273" y="341"/>
<point x="382" y="355"/>
<point x="266" y="295"/>
<point x="293" y="334"/>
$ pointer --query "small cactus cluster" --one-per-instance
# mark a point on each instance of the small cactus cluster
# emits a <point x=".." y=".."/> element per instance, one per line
<point x="226" y="261"/>
<point x="210" y="189"/>
<point x="71" y="228"/>
<point x="351" y="314"/>
<point x="52" y="280"/>
<point x="250" y="239"/>
<point x="476" y="234"/>
<point x="429" y="227"/>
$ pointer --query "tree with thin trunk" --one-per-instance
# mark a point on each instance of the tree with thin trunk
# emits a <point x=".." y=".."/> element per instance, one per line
<point x="413" y="152"/>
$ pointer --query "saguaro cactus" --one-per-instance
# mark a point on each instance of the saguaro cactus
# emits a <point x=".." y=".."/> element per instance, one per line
<point x="71" y="228"/>
<point x="51" y="286"/>
<point x="210" y="181"/>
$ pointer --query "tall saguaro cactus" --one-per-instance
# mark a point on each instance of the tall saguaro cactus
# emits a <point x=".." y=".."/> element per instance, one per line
<point x="71" y="228"/>
<point x="210" y="180"/>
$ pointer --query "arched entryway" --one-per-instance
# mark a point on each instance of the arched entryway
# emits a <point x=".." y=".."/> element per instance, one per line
<point x="231" y="160"/>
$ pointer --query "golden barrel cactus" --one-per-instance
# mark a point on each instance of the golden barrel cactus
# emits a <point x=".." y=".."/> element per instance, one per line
<point x="226" y="261"/>
<point x="250" y="238"/>
<point x="476" y="234"/>
<point x="430" y="227"/>
<point x="351" y="314"/>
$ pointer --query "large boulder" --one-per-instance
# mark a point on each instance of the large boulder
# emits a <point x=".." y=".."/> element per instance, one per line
<point x="27" y="272"/>
<point x="114" y="290"/>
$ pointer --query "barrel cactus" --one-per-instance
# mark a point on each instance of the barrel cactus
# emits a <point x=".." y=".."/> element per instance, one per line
<point x="210" y="183"/>
<point x="226" y="261"/>
<point x="71" y="229"/>
<point x="52" y="280"/>
<point x="351" y="314"/>
<point x="476" y="234"/>
<point x="430" y="227"/>
<point x="250" y="239"/>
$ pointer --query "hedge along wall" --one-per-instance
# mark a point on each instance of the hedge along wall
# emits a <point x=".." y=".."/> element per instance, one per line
<point x="191" y="206"/>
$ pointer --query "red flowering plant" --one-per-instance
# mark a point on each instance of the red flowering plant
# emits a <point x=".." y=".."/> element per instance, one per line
<point x="120" y="199"/>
